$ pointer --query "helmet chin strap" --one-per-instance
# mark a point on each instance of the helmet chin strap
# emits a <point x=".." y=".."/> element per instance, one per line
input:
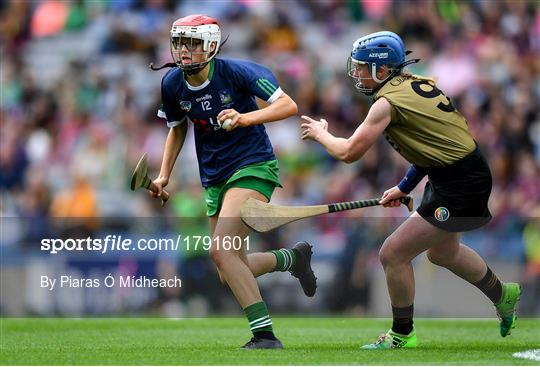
<point x="196" y="70"/>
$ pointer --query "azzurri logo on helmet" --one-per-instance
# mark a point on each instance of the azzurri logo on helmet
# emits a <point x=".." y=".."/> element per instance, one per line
<point x="375" y="50"/>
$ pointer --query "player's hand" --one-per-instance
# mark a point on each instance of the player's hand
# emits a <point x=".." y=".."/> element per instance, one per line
<point x="391" y="197"/>
<point x="312" y="129"/>
<point x="160" y="183"/>
<point x="237" y="119"/>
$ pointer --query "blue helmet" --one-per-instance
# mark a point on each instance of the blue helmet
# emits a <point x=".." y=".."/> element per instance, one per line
<point x="375" y="50"/>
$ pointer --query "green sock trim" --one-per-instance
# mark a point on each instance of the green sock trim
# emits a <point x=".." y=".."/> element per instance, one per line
<point x="285" y="259"/>
<point x="280" y="260"/>
<point x="258" y="317"/>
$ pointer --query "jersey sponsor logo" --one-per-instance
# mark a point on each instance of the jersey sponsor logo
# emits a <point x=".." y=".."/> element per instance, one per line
<point x="206" y="126"/>
<point x="225" y="96"/>
<point x="206" y="97"/>
<point x="379" y="55"/>
<point x="442" y="214"/>
<point x="185" y="106"/>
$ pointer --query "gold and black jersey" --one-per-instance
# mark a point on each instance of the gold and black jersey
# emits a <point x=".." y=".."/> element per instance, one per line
<point x="425" y="129"/>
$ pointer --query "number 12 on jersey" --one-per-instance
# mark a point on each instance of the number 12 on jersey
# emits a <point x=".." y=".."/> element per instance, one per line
<point x="206" y="105"/>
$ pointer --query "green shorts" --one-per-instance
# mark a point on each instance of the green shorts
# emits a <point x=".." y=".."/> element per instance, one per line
<point x="262" y="177"/>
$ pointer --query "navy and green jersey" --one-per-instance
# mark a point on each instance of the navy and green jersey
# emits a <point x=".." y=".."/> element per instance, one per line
<point x="231" y="84"/>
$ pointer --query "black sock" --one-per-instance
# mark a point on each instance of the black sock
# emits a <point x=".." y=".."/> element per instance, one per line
<point x="491" y="286"/>
<point x="265" y="335"/>
<point x="403" y="319"/>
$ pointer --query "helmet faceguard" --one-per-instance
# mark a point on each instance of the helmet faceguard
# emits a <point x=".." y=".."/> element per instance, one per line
<point x="188" y="34"/>
<point x="354" y="74"/>
<point x="376" y="50"/>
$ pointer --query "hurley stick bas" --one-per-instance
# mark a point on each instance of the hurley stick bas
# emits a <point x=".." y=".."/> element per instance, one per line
<point x="139" y="178"/>
<point x="264" y="217"/>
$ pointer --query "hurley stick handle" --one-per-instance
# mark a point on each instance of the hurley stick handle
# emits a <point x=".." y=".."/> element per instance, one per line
<point x="164" y="194"/>
<point x="349" y="205"/>
<point x="139" y="178"/>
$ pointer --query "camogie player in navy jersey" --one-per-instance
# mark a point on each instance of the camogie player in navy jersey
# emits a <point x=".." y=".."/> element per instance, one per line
<point x="422" y="125"/>
<point x="236" y="161"/>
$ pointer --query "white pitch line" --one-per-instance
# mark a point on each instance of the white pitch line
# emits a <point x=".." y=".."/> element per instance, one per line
<point x="533" y="354"/>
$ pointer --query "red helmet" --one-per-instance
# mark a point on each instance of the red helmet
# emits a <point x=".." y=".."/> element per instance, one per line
<point x="190" y="32"/>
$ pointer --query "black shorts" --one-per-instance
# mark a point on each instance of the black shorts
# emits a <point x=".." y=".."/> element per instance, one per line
<point x="456" y="196"/>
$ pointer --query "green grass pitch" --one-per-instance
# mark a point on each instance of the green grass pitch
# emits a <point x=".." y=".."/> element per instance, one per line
<point x="215" y="341"/>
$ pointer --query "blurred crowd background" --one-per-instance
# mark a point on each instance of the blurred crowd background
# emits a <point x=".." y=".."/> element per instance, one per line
<point x="78" y="108"/>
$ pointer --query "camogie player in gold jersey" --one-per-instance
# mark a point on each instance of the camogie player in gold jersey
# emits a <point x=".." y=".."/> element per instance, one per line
<point x="423" y="126"/>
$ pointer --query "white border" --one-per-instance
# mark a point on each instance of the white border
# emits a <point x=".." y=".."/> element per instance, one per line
<point x="275" y="96"/>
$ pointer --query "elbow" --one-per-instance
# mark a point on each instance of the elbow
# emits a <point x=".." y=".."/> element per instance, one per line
<point x="348" y="158"/>
<point x="348" y="155"/>
<point x="353" y="156"/>
<point x="293" y="108"/>
<point x="288" y="105"/>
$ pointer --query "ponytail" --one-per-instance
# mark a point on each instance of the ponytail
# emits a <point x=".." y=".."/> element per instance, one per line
<point x="167" y="65"/>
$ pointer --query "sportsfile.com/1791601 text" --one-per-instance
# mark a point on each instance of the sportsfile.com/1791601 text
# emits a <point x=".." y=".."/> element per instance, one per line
<point x="120" y="243"/>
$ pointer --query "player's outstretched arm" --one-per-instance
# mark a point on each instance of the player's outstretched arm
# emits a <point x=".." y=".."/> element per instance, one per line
<point x="280" y="109"/>
<point x="173" y="145"/>
<point x="351" y="149"/>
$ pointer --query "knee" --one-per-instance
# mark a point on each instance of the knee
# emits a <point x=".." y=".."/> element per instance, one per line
<point x="388" y="256"/>
<point x="218" y="258"/>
